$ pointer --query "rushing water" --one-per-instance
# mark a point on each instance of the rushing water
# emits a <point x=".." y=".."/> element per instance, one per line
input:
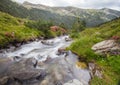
<point x="60" y="67"/>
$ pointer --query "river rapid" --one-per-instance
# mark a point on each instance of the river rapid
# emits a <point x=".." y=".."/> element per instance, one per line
<point x="59" y="68"/>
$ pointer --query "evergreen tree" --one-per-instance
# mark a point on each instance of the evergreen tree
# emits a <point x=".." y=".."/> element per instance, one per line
<point x="78" y="25"/>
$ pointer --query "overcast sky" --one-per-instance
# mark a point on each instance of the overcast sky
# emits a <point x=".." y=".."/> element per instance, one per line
<point x="114" y="4"/>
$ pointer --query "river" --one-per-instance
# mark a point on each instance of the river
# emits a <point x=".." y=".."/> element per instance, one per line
<point x="61" y="68"/>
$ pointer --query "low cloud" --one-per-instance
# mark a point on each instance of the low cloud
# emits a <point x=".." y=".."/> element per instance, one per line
<point x="114" y="4"/>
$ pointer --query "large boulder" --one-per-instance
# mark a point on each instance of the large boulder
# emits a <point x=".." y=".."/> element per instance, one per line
<point x="21" y="71"/>
<point x="107" y="47"/>
<point x="24" y="69"/>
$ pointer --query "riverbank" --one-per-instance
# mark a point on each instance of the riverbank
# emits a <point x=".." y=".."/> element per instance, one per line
<point x="13" y="31"/>
<point x="107" y="64"/>
<point x="16" y="31"/>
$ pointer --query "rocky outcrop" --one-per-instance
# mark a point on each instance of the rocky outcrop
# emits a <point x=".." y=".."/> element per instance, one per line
<point x="58" y="29"/>
<point x="107" y="47"/>
<point x="95" y="70"/>
<point x="22" y="71"/>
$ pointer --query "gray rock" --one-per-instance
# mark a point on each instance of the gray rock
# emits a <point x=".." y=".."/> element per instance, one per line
<point x="24" y="69"/>
<point x="107" y="46"/>
<point x="95" y="70"/>
<point x="19" y="72"/>
<point x="45" y="42"/>
<point x="73" y="82"/>
<point x="62" y="51"/>
<point x="4" y="80"/>
<point x="4" y="64"/>
<point x="68" y="39"/>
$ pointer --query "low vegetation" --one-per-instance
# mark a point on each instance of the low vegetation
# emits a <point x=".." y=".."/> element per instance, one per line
<point x="110" y="65"/>
<point x="13" y="30"/>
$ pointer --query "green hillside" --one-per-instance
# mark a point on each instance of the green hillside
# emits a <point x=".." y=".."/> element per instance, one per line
<point x="9" y="24"/>
<point x="110" y="65"/>
<point x="59" y="15"/>
<point x="18" y="10"/>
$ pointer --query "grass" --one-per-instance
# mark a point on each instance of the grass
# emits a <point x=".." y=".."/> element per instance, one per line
<point x="110" y="64"/>
<point x="10" y="24"/>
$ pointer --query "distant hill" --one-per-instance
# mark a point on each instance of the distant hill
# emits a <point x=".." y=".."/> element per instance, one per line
<point x="92" y="17"/>
<point x="58" y="15"/>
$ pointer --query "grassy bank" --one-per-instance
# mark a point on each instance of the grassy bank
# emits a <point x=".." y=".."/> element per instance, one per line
<point x="110" y="65"/>
<point x="9" y="25"/>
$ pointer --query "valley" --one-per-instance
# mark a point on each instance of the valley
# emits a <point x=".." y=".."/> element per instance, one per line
<point x="45" y="45"/>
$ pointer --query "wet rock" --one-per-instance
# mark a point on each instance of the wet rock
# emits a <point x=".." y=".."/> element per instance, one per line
<point x="58" y="83"/>
<point x="98" y="73"/>
<point x="95" y="70"/>
<point x="4" y="80"/>
<point x="23" y="75"/>
<point x="47" y="42"/>
<point x="17" y="44"/>
<point x="4" y="64"/>
<point x="68" y="39"/>
<point x="11" y="48"/>
<point x="61" y="51"/>
<point x="16" y="58"/>
<point x="25" y="70"/>
<point x="44" y="82"/>
<point x="12" y="82"/>
<point x="81" y="65"/>
<point x="73" y="82"/>
<point x="30" y="62"/>
<point x="107" y="47"/>
<point x="39" y="57"/>
<point x="41" y="38"/>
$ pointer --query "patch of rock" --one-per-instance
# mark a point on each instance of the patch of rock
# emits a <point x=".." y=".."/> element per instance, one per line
<point x="107" y="47"/>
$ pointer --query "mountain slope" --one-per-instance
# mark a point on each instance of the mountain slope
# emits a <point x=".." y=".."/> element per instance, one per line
<point x="92" y="17"/>
<point x="58" y="15"/>
<point x="18" y="10"/>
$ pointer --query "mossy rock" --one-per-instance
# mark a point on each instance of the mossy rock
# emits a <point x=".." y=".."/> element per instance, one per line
<point x="81" y="65"/>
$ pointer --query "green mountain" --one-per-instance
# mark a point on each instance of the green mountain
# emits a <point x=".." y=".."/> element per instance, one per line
<point x="92" y="17"/>
<point x="58" y="15"/>
<point x="108" y="63"/>
<point x="18" y="10"/>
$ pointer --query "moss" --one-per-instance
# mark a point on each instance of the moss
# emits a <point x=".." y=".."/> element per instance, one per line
<point x="81" y="65"/>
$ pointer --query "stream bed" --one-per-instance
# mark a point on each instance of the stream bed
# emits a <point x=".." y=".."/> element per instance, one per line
<point x="40" y="63"/>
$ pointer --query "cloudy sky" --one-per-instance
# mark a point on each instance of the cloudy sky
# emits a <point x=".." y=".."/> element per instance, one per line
<point x="114" y="4"/>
